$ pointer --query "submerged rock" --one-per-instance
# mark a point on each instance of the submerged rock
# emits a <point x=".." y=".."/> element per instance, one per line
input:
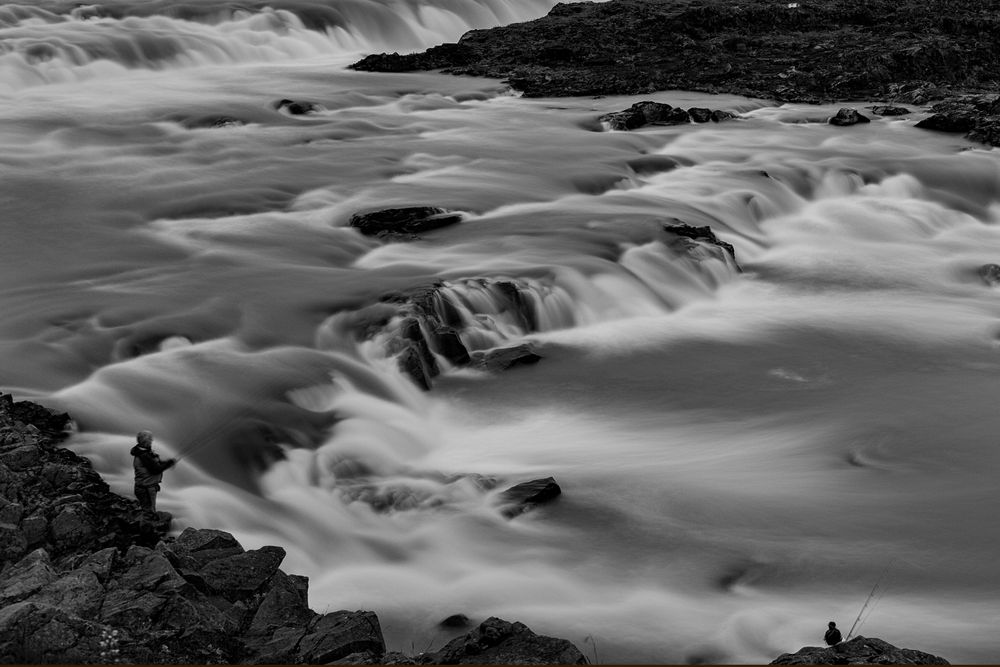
<point x="990" y="274"/>
<point x="522" y="497"/>
<point x="499" y="642"/>
<point x="406" y="220"/>
<point x="297" y="108"/>
<point x="685" y="234"/>
<point x="859" y="651"/>
<point x="500" y="359"/>
<point x="890" y="111"/>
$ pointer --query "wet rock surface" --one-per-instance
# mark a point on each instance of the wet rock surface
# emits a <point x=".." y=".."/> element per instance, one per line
<point x="859" y="651"/>
<point x="648" y="112"/>
<point x="403" y="222"/>
<point x="86" y="576"/>
<point x="524" y="496"/>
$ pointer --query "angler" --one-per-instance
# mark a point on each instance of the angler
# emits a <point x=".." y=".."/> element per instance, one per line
<point x="148" y="470"/>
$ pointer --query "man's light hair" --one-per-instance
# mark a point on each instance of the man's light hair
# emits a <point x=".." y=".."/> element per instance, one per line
<point x="144" y="437"/>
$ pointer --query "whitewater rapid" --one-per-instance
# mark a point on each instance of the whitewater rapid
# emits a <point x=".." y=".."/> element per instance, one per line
<point x="741" y="452"/>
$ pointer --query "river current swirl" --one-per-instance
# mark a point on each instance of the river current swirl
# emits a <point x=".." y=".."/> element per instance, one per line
<point x="741" y="453"/>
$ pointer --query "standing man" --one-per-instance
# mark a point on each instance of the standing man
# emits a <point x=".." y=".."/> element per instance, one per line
<point x="148" y="470"/>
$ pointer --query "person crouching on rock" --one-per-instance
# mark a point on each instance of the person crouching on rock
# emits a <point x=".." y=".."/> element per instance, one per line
<point x="832" y="636"/>
<point x="148" y="470"/>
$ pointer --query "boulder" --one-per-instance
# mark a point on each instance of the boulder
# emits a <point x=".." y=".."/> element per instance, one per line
<point x="522" y="497"/>
<point x="499" y="642"/>
<point x="990" y="274"/>
<point x="700" y="114"/>
<point x="847" y="116"/>
<point x="339" y="634"/>
<point x="243" y="574"/>
<point x="195" y="548"/>
<point x="948" y="122"/>
<point x="284" y="604"/>
<point x="455" y="621"/>
<point x="858" y="651"/>
<point x="405" y="220"/>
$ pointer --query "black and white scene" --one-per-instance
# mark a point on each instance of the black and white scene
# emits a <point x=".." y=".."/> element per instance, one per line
<point x="499" y="331"/>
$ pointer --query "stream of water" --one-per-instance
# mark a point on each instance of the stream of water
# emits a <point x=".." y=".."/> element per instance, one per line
<point x="741" y="453"/>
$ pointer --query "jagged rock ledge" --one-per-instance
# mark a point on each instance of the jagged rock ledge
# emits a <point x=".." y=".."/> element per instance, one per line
<point x="85" y="576"/>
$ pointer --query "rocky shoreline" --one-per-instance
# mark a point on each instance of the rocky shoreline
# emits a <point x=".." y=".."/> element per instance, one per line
<point x="905" y="52"/>
<point x="87" y="577"/>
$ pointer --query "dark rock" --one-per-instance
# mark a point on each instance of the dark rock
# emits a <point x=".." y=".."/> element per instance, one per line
<point x="283" y="605"/>
<point x="890" y="111"/>
<point x="455" y="621"/>
<point x="719" y="115"/>
<point x="700" y="114"/>
<point x="195" y="548"/>
<point x="858" y="651"/>
<point x="297" y="108"/>
<point x="407" y="220"/>
<point x="26" y="577"/>
<point x="645" y="113"/>
<point x="685" y="233"/>
<point x="845" y="117"/>
<point x="499" y="642"/>
<point x="501" y="359"/>
<point x="449" y="345"/>
<point x="243" y="574"/>
<point x="990" y="274"/>
<point x="522" y="497"/>
<point x="948" y="122"/>
<point x="339" y="634"/>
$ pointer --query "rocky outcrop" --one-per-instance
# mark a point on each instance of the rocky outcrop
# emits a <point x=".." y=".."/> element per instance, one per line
<point x="907" y="51"/>
<point x="977" y="116"/>
<point x="403" y="222"/>
<point x="499" y="642"/>
<point x="657" y="113"/>
<point x="859" y="651"/>
<point x="86" y="577"/>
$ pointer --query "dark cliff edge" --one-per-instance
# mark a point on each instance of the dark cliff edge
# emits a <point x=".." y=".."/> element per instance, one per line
<point x="86" y="576"/>
<point x="902" y="51"/>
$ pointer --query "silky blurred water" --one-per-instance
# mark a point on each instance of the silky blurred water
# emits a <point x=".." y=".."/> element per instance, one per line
<point x="741" y="454"/>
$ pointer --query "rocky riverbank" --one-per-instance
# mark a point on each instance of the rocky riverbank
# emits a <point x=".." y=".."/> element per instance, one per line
<point x="86" y="576"/>
<point x="906" y="52"/>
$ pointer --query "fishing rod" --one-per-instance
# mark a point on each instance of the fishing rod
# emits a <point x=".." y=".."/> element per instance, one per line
<point x="208" y="435"/>
<point x="870" y="595"/>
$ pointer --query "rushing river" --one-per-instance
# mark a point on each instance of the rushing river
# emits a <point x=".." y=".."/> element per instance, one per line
<point x="741" y="454"/>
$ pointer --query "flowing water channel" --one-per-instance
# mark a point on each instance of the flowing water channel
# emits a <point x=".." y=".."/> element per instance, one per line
<point x="741" y="453"/>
